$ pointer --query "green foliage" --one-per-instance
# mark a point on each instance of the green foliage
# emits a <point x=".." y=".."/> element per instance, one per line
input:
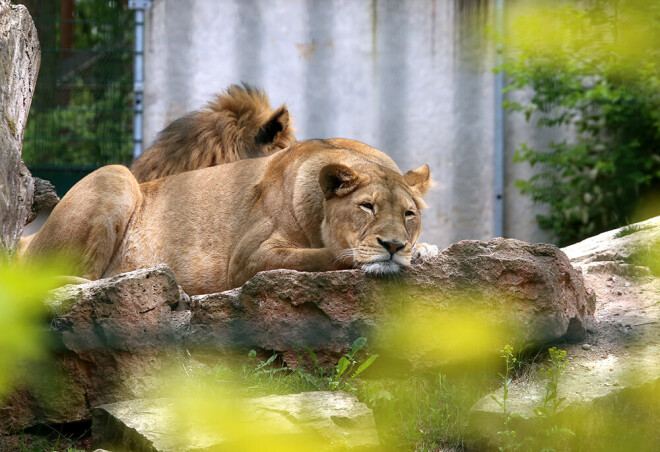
<point x="630" y="229"/>
<point x="548" y="434"/>
<point x="81" y="114"/>
<point x="92" y="129"/>
<point x="594" y="68"/>
<point x="345" y="371"/>
<point x="423" y="412"/>
<point x="511" y="441"/>
<point x="551" y="401"/>
<point x="647" y="256"/>
<point x="259" y="378"/>
<point x="21" y="323"/>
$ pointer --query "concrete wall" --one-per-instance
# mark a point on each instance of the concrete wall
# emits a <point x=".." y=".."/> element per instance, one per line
<point x="411" y="78"/>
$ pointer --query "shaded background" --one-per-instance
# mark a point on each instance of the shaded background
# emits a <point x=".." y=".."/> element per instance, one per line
<point x="412" y="78"/>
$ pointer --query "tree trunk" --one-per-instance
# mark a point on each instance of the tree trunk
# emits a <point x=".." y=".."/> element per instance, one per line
<point x="19" y="63"/>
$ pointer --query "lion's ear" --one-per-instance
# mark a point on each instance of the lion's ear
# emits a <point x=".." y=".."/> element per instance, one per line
<point x="277" y="122"/>
<point x="338" y="180"/>
<point x="420" y="179"/>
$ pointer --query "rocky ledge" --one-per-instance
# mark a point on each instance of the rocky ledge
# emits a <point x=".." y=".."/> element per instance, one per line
<point x="113" y="336"/>
<point x="309" y="420"/>
<point x="611" y="385"/>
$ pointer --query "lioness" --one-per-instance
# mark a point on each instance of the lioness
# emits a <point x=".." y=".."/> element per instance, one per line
<point x="318" y="205"/>
<point x="238" y="124"/>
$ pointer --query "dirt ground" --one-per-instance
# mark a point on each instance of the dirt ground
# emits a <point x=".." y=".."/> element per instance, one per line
<point x="627" y="316"/>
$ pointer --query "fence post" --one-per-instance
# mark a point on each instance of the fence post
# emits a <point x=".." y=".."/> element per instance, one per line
<point x="138" y="73"/>
<point x="498" y="154"/>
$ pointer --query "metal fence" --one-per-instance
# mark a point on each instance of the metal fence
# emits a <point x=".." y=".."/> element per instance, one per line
<point x="81" y="114"/>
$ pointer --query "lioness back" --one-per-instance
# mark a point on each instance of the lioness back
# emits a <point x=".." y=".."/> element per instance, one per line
<point x="190" y="222"/>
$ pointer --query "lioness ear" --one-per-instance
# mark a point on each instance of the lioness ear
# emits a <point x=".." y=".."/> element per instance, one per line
<point x="420" y="179"/>
<point x="277" y="122"/>
<point x="338" y="180"/>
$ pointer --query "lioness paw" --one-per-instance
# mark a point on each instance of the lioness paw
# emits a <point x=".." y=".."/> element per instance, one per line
<point x="423" y="252"/>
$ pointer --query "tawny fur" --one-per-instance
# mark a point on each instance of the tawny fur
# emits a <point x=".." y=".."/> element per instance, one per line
<point x="238" y="124"/>
<point x="315" y="206"/>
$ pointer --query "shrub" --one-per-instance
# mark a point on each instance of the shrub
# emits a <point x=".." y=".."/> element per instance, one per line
<point x="594" y="68"/>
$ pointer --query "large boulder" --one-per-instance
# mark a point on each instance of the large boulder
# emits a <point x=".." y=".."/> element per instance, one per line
<point x="624" y="251"/>
<point x="322" y="420"/>
<point x="611" y="384"/>
<point x="19" y="63"/>
<point x="110" y="339"/>
<point x="531" y="291"/>
<point x="112" y="336"/>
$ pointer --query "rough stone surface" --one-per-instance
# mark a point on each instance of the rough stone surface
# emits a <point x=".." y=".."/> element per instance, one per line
<point x="335" y="418"/>
<point x="45" y="198"/>
<point x="533" y="286"/>
<point x="19" y="63"/>
<point x="108" y="338"/>
<point x="614" y="252"/>
<point x="622" y="361"/>
<point x="110" y="335"/>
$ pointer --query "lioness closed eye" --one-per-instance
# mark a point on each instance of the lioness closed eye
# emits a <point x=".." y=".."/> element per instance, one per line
<point x="318" y="205"/>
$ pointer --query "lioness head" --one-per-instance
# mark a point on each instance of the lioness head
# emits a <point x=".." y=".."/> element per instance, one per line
<point x="372" y="215"/>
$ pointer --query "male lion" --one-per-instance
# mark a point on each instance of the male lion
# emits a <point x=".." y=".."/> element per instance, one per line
<point x="318" y="205"/>
<point x="238" y="124"/>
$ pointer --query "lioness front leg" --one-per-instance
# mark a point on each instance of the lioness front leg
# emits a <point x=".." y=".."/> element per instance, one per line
<point x="88" y="224"/>
<point x="272" y="258"/>
<point x="423" y="252"/>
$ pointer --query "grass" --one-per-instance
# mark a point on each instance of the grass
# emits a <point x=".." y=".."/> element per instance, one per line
<point x="630" y="229"/>
<point x="648" y="256"/>
<point x="62" y="438"/>
<point x="422" y="412"/>
<point x="426" y="411"/>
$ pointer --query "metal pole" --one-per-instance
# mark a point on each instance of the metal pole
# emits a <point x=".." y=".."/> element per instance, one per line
<point x="498" y="177"/>
<point x="138" y="73"/>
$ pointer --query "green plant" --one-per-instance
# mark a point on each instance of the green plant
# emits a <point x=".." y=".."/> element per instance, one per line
<point x="647" y="256"/>
<point x="23" y="340"/>
<point x="548" y="434"/>
<point x="424" y="411"/>
<point x="630" y="229"/>
<point x="257" y="377"/>
<point x="551" y="401"/>
<point x="81" y="112"/>
<point x="511" y="441"/>
<point x="594" y="69"/>
<point x="343" y="373"/>
<point x="551" y="433"/>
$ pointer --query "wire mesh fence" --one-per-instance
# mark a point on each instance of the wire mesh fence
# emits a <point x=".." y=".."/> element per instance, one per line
<point x="81" y="113"/>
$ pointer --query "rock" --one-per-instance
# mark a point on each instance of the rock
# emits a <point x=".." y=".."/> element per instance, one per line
<point x="111" y="335"/>
<point x="615" y="252"/>
<point x="110" y="338"/>
<point x="533" y="286"/>
<point x="594" y="389"/>
<point x="45" y="198"/>
<point x="606" y="390"/>
<point x="586" y="347"/>
<point x="331" y="420"/>
<point x="19" y="63"/>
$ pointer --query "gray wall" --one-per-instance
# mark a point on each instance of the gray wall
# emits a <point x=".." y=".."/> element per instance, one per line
<point x="411" y="78"/>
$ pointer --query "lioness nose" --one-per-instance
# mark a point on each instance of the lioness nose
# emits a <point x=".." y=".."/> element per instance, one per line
<point x="392" y="246"/>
